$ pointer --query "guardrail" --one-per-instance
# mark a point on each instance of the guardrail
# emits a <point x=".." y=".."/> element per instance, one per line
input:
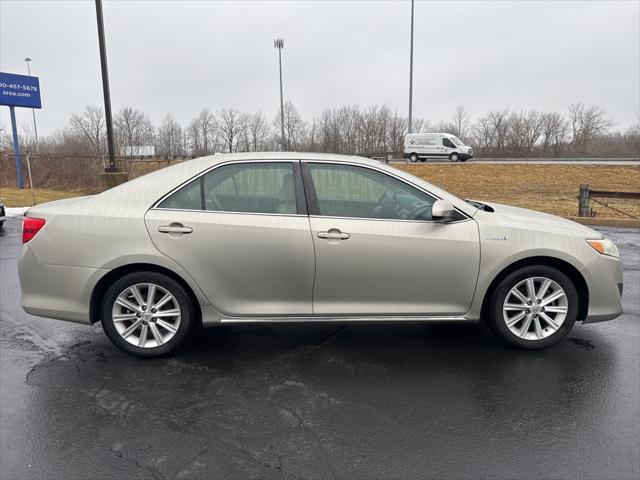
<point x="586" y="194"/>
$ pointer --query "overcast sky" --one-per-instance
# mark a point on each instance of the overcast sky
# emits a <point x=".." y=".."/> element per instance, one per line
<point x="181" y="56"/>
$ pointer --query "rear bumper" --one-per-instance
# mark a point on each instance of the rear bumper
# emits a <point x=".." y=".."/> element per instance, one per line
<point x="605" y="283"/>
<point x="56" y="291"/>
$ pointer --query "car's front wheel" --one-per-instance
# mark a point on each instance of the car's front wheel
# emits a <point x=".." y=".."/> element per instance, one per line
<point x="147" y="314"/>
<point x="454" y="157"/>
<point x="534" y="307"/>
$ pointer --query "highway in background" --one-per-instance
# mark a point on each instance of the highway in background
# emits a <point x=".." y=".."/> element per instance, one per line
<point x="540" y="161"/>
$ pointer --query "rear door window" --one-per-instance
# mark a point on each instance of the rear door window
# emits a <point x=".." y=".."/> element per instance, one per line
<point x="188" y="197"/>
<point x="251" y="187"/>
<point x="259" y="187"/>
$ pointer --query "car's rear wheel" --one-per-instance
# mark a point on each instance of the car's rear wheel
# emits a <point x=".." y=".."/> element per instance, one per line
<point x="413" y="157"/>
<point x="147" y="314"/>
<point x="534" y="307"/>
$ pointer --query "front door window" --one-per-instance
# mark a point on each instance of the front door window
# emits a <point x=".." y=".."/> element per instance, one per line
<point x="360" y="192"/>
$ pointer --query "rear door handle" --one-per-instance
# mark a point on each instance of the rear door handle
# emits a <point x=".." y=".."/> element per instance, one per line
<point x="334" y="234"/>
<point x="175" y="228"/>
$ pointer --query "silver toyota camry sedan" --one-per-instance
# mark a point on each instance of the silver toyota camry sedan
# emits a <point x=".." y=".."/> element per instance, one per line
<point x="295" y="237"/>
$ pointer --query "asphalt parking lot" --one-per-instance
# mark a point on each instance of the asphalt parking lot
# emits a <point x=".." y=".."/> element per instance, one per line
<point x="358" y="401"/>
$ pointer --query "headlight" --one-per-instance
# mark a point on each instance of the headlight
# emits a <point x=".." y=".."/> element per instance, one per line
<point x="605" y="247"/>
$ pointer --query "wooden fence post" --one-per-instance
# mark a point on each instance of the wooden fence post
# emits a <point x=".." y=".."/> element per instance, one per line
<point x="583" y="201"/>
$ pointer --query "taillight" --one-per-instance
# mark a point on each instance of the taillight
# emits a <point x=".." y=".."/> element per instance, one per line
<point x="30" y="227"/>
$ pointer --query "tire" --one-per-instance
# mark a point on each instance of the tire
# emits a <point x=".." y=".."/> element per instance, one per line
<point x="454" y="157"/>
<point x="539" y="333"/>
<point x="162" y="335"/>
<point x="413" y="157"/>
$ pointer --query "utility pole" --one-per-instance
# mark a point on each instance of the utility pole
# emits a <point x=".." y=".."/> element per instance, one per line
<point x="411" y="73"/>
<point x="279" y="44"/>
<point x="105" y="87"/>
<point x="33" y="110"/>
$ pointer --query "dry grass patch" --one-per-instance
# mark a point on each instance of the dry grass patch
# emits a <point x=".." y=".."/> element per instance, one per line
<point x="547" y="188"/>
<point x="14" y="197"/>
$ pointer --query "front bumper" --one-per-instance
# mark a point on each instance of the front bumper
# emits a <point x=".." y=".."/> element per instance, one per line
<point x="604" y="280"/>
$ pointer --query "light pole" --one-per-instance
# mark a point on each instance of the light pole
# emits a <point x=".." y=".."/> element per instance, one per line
<point x="33" y="110"/>
<point x="279" y="44"/>
<point x="411" y="73"/>
<point x="105" y="87"/>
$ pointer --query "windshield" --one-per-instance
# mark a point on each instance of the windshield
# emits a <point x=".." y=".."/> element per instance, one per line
<point x="457" y="141"/>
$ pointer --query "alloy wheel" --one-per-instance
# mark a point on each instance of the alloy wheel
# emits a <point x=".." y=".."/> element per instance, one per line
<point x="146" y="315"/>
<point x="535" y="308"/>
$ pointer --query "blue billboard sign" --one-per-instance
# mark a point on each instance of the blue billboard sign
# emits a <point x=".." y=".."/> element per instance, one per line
<point x="19" y="90"/>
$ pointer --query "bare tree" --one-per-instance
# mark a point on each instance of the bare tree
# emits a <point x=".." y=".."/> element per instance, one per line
<point x="483" y="132"/>
<point x="133" y="129"/>
<point x="350" y="129"/>
<point x="351" y="120"/>
<point x="632" y="139"/>
<point x="461" y="121"/>
<point x="5" y="141"/>
<point x="294" y="126"/>
<point x="554" y="131"/>
<point x="586" y="122"/>
<point x="312" y="137"/>
<point x="258" y="131"/>
<point x="443" y="126"/>
<point x="229" y="125"/>
<point x="170" y="137"/>
<point x="193" y="134"/>
<point x="207" y="124"/>
<point x="396" y="131"/>
<point x="90" y="125"/>
<point x="523" y="131"/>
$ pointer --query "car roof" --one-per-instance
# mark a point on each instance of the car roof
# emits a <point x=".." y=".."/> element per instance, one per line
<point x="429" y="133"/>
<point x="139" y="194"/>
<point x="150" y="187"/>
<point x="248" y="156"/>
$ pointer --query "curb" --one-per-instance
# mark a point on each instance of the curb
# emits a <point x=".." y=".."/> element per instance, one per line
<point x="607" y="222"/>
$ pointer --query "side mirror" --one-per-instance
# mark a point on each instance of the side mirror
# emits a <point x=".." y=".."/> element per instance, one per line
<point x="442" y="210"/>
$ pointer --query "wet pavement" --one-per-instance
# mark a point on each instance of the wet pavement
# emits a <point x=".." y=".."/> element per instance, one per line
<point x="317" y="401"/>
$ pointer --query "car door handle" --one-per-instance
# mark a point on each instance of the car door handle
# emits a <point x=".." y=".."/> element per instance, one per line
<point x="174" y="228"/>
<point x="334" y="234"/>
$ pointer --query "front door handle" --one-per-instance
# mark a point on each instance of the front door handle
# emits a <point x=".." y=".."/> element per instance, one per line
<point x="175" y="228"/>
<point x="334" y="234"/>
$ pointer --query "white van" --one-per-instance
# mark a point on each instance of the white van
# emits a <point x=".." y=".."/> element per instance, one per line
<point x="420" y="146"/>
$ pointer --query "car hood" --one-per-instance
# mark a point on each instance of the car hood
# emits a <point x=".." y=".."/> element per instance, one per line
<point x="541" y="221"/>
